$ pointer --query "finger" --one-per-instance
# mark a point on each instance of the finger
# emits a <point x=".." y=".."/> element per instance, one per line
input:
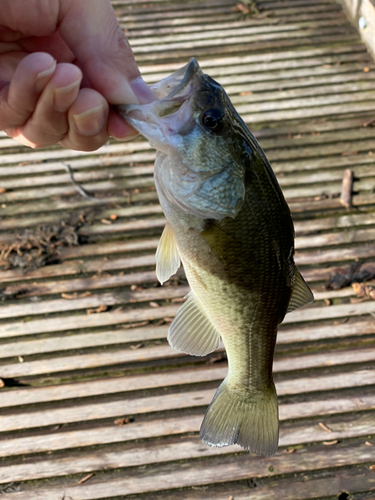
<point x="88" y="118"/>
<point x="101" y="48"/>
<point x="118" y="128"/>
<point x="19" y="98"/>
<point x="49" y="123"/>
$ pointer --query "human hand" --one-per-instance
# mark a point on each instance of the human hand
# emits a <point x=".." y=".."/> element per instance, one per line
<point x="62" y="63"/>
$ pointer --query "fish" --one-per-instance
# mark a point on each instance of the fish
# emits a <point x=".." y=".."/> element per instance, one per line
<point x="230" y="226"/>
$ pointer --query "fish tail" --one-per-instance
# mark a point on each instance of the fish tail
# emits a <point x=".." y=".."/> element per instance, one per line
<point x="251" y="423"/>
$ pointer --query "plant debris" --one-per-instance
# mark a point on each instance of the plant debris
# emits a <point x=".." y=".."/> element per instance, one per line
<point x="99" y="309"/>
<point x="86" y="478"/>
<point x="324" y="427"/>
<point x="123" y="421"/>
<point x="39" y="247"/>
<point x="345" y="276"/>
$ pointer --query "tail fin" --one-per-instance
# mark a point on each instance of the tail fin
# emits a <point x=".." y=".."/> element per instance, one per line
<point x="253" y="424"/>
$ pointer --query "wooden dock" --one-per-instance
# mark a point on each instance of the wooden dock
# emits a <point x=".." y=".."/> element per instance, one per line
<point x="95" y="404"/>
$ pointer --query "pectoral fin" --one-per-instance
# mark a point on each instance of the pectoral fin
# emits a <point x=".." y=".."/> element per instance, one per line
<point x="167" y="255"/>
<point x="301" y="293"/>
<point x="192" y="331"/>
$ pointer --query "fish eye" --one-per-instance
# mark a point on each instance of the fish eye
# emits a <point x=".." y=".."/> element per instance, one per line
<point x="213" y="119"/>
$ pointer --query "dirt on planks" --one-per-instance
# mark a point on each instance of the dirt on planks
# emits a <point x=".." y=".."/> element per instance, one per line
<point x="357" y="272"/>
<point x="35" y="248"/>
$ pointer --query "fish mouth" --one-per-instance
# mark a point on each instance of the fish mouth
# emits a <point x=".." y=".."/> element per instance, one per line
<point x="171" y="113"/>
<point x="175" y="84"/>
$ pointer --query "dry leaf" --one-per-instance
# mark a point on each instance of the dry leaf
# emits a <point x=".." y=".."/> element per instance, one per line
<point x="289" y="450"/>
<point x="105" y="221"/>
<point x="154" y="304"/>
<point x="20" y="359"/>
<point x="134" y="347"/>
<point x="330" y="443"/>
<point x="240" y="7"/>
<point x="246" y="93"/>
<point x="69" y="296"/>
<point x="367" y="443"/>
<point x="85" y="294"/>
<point x="324" y="427"/>
<point x="97" y="310"/>
<point x="327" y="302"/>
<point x="121" y="421"/>
<point x="349" y="153"/>
<point x="178" y="299"/>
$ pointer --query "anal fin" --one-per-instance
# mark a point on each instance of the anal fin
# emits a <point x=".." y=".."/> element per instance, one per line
<point x="192" y="331"/>
<point x="167" y="255"/>
<point x="301" y="293"/>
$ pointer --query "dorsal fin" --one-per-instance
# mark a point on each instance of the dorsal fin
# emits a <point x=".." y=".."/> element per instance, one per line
<point x="192" y="331"/>
<point x="301" y="293"/>
<point x="167" y="255"/>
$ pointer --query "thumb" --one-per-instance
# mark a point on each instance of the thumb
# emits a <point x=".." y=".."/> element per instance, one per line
<point x="91" y="30"/>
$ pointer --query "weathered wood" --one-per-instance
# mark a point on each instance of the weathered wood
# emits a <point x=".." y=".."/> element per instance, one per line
<point x="300" y="432"/>
<point x="79" y="267"/>
<point x="92" y="301"/>
<point x="119" y="357"/>
<point x="146" y="314"/>
<point x="19" y="397"/>
<point x="178" y="401"/>
<point x="244" y="467"/>
<point x="346" y="189"/>
<point x="186" y="449"/>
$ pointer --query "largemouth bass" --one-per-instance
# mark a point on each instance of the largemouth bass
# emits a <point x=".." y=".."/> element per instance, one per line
<point x="229" y="224"/>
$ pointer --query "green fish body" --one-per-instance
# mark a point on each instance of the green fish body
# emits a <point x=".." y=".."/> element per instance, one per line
<point x="229" y="224"/>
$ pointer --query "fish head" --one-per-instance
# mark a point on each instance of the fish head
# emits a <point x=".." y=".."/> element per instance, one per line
<point x="193" y="126"/>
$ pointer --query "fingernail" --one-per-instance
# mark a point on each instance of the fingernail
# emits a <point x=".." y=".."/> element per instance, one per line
<point x="142" y="91"/>
<point x="90" y="122"/>
<point x="43" y="77"/>
<point x="126" y="138"/>
<point x="63" y="97"/>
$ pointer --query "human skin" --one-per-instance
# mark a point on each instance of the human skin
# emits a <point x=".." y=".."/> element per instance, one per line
<point x="62" y="64"/>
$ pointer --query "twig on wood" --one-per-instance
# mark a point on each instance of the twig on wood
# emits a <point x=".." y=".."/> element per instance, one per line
<point x="83" y="191"/>
<point x="86" y="478"/>
<point x="346" y="189"/>
<point x="370" y="122"/>
<point x="79" y="188"/>
<point x="324" y="427"/>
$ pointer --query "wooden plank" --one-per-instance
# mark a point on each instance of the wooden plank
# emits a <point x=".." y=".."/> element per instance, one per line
<point x="224" y="63"/>
<point x="178" y="401"/>
<point x="79" y="267"/>
<point x="359" y="424"/>
<point x="234" y="33"/>
<point x="73" y="286"/>
<point x="303" y="41"/>
<point x="339" y="481"/>
<point x="108" y="358"/>
<point x="243" y="467"/>
<point x="77" y="322"/>
<point x="19" y="397"/>
<point x="92" y="301"/>
<point x="188" y="448"/>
